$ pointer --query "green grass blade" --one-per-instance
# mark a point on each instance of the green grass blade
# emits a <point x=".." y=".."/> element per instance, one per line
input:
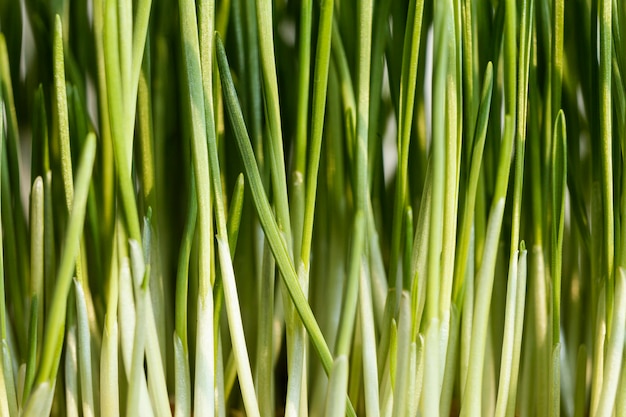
<point x="470" y="202"/>
<point x="109" y="380"/>
<point x="270" y="227"/>
<point x="613" y="359"/>
<point x="71" y="373"/>
<point x="471" y="404"/>
<point x="276" y="241"/>
<point x="335" y="404"/>
<point x="84" y="352"/>
<point x="56" y="317"/>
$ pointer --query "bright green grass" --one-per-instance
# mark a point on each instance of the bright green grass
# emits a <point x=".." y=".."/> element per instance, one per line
<point x="313" y="208"/>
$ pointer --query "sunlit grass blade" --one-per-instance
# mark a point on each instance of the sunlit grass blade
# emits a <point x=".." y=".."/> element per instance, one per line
<point x="40" y="402"/>
<point x="84" y="352"/>
<point x="613" y="360"/>
<point x="137" y="402"/>
<point x="508" y="340"/>
<point x="484" y="279"/>
<point x="4" y="403"/>
<point x="70" y="379"/>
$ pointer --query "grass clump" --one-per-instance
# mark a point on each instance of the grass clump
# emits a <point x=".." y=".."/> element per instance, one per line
<point x="324" y="208"/>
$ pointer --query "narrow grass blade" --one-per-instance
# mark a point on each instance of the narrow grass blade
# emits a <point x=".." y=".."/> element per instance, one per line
<point x="370" y="366"/>
<point x="338" y="383"/>
<point x="203" y="389"/>
<point x="40" y="402"/>
<point x="276" y="241"/>
<point x="401" y="395"/>
<point x="56" y="318"/>
<point x="205" y="369"/>
<point x="597" y="375"/>
<point x="508" y="339"/>
<point x="9" y="379"/>
<point x="236" y="329"/>
<point x="234" y="214"/>
<point x="4" y="403"/>
<point x="72" y="398"/>
<point x="349" y="308"/>
<point x="581" y="382"/>
<point x="613" y="359"/>
<point x="470" y="202"/>
<point x="520" y="305"/>
<point x="265" y="21"/>
<point x="109" y="374"/>
<point x="264" y="376"/>
<point x="183" y="380"/>
<point x="471" y="403"/>
<point x="84" y="352"/>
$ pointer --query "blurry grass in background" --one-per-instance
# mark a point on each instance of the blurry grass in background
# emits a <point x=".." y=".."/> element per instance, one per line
<point x="314" y="207"/>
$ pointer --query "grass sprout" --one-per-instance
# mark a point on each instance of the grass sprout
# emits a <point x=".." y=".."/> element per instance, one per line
<point x="312" y="208"/>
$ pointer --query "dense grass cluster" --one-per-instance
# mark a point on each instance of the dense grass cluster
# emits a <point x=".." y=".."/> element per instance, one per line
<point x="313" y="208"/>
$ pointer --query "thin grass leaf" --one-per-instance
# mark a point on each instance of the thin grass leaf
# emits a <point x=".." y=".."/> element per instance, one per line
<point x="138" y="403"/>
<point x="508" y="339"/>
<point x="12" y="158"/>
<point x="40" y="402"/>
<point x="416" y="372"/>
<point x="264" y="354"/>
<point x="204" y="398"/>
<point x="36" y="285"/>
<point x="597" y="375"/>
<point x="4" y="403"/>
<point x="520" y="305"/>
<point x="605" y="103"/>
<point x="276" y="241"/>
<point x="338" y="383"/>
<point x="84" y="352"/>
<point x="234" y="214"/>
<point x="72" y="399"/>
<point x="613" y="359"/>
<point x="401" y="394"/>
<point x="36" y="290"/>
<point x="9" y="379"/>
<point x="470" y="202"/>
<point x="183" y="380"/>
<point x="220" y="398"/>
<point x="56" y="317"/>
<point x="272" y="105"/>
<point x="349" y="308"/>
<point x="109" y="379"/>
<point x="581" y="376"/>
<point x="410" y="57"/>
<point x="472" y="400"/>
<point x="447" y="386"/>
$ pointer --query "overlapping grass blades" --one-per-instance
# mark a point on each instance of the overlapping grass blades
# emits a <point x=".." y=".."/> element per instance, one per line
<point x="331" y="207"/>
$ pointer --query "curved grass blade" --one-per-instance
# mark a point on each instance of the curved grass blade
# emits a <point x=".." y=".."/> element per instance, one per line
<point x="268" y="222"/>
